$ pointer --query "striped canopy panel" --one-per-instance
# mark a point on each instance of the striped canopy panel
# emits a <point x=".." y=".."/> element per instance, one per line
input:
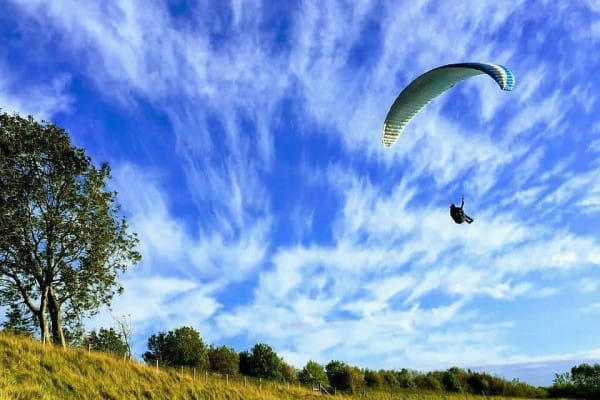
<point x="430" y="85"/>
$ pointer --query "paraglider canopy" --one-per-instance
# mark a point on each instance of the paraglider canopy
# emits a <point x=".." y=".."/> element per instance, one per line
<point x="430" y="85"/>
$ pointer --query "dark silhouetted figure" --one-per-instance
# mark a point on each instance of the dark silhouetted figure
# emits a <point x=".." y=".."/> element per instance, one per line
<point x="458" y="215"/>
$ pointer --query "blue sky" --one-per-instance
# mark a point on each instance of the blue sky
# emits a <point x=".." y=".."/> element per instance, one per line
<point x="244" y="138"/>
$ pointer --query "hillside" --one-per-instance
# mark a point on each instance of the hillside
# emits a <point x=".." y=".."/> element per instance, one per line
<point x="32" y="371"/>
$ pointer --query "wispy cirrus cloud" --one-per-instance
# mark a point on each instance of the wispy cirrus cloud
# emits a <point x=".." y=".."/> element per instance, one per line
<point x="272" y="121"/>
<point x="39" y="100"/>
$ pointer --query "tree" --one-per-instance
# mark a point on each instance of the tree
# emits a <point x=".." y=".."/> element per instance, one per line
<point x="357" y="379"/>
<point x="245" y="363"/>
<point x="405" y="379"/>
<point x="562" y="386"/>
<point x="313" y="373"/>
<point x="180" y="347"/>
<point x="451" y="382"/>
<point x="373" y="378"/>
<point x="264" y="362"/>
<point x="17" y="322"/>
<point x="124" y="329"/>
<point x="344" y="377"/>
<point x="62" y="242"/>
<point x="586" y="380"/>
<point x="389" y="378"/>
<point x="339" y="375"/>
<point x="106" y="340"/>
<point x="157" y="349"/>
<point x="287" y="372"/>
<point x="224" y="360"/>
<point x="478" y="383"/>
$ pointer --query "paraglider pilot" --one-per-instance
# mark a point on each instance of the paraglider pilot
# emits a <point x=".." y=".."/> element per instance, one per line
<point x="458" y="215"/>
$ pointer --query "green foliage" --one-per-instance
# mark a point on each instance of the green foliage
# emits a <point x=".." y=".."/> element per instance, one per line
<point x="313" y="373"/>
<point x="287" y="372"/>
<point x="338" y="375"/>
<point x="357" y="379"/>
<point x="224" y="360"/>
<point x="62" y="241"/>
<point x="344" y="377"/>
<point x="389" y="378"/>
<point x="261" y="362"/>
<point x="405" y="379"/>
<point x="106" y="340"/>
<point x="428" y="381"/>
<point x="245" y="363"/>
<point x="373" y="378"/>
<point x="451" y="382"/>
<point x="180" y="347"/>
<point x="17" y="322"/>
<point x="562" y="379"/>
<point x="582" y="382"/>
<point x="586" y="377"/>
<point x="478" y="383"/>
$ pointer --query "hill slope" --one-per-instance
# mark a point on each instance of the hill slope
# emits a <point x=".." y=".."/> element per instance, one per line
<point x="30" y="370"/>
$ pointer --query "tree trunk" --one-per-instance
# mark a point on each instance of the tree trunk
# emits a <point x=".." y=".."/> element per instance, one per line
<point x="44" y="327"/>
<point x="58" y="337"/>
<point x="42" y="318"/>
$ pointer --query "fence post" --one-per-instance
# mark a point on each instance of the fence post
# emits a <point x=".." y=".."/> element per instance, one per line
<point x="260" y="383"/>
<point x="89" y="348"/>
<point x="205" y="376"/>
<point x="244" y="381"/>
<point x="227" y="378"/>
<point x="157" y="365"/>
<point x="194" y="378"/>
<point x="182" y="370"/>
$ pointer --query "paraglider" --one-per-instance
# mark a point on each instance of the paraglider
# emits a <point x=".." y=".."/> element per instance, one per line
<point x="458" y="214"/>
<point x="427" y="87"/>
<point x="430" y="85"/>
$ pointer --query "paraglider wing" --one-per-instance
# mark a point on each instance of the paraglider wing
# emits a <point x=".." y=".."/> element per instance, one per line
<point x="430" y="85"/>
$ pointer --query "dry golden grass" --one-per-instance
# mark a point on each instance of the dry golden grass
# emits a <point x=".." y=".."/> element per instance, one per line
<point x="32" y="371"/>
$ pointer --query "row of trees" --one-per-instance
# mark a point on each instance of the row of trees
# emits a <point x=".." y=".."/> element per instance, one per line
<point x="583" y="382"/>
<point x="184" y="347"/>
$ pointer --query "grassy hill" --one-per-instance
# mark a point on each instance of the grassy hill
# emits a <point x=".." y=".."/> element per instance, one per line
<point x="32" y="371"/>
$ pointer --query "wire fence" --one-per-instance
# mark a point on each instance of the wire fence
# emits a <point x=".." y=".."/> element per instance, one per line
<point x="365" y="392"/>
<point x="243" y="381"/>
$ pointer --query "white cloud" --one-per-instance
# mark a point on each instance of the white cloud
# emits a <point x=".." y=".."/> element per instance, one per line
<point x="588" y="285"/>
<point x="42" y="101"/>
<point x="165" y="238"/>
<point x="393" y="248"/>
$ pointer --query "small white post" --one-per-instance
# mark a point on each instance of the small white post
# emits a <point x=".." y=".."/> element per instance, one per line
<point x="89" y="348"/>
<point x="194" y="374"/>
<point x="157" y="365"/>
<point x="244" y="381"/>
<point x="205" y="376"/>
<point x="182" y="370"/>
<point x="227" y="378"/>
<point x="260" y="383"/>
